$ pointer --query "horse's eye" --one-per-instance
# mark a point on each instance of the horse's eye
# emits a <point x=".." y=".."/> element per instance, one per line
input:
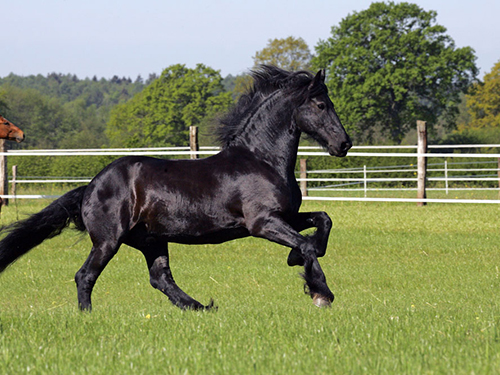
<point x="321" y="106"/>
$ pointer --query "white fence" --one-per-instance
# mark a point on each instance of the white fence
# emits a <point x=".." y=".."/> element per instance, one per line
<point x="364" y="180"/>
<point x="361" y="177"/>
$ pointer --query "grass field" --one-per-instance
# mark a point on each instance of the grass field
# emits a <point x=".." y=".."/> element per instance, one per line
<point x="417" y="292"/>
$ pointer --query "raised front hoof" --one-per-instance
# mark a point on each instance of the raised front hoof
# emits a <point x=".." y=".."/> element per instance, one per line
<point x="321" y="301"/>
<point x="295" y="258"/>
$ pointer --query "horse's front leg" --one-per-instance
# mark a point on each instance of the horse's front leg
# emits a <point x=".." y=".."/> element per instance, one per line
<point x="305" y="220"/>
<point x="274" y="228"/>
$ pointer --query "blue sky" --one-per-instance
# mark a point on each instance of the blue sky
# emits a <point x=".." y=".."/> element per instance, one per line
<point x="128" y="38"/>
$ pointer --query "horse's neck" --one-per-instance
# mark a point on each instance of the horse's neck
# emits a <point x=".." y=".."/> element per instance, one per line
<point x="271" y="135"/>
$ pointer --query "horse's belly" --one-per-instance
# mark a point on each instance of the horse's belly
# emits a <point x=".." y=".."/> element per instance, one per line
<point x="195" y="226"/>
<point x="209" y="238"/>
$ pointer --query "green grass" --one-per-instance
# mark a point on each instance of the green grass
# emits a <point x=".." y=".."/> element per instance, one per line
<point x="416" y="293"/>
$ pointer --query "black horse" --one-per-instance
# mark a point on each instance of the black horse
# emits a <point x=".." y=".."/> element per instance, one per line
<point x="248" y="189"/>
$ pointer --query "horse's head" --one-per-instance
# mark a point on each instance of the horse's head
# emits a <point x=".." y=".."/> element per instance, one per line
<point x="10" y="131"/>
<point x="317" y="118"/>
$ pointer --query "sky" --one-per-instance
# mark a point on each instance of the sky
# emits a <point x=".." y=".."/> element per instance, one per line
<point x="128" y="38"/>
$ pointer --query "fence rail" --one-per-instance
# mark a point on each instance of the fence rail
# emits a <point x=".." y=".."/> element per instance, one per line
<point x="364" y="179"/>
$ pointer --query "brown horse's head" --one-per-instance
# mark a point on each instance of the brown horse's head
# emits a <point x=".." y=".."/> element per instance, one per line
<point x="10" y="131"/>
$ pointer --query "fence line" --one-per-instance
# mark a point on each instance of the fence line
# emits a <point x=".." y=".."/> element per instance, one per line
<point x="398" y="189"/>
<point x="303" y="151"/>
<point x="49" y="181"/>
<point x="309" y="198"/>
<point x="213" y="152"/>
<point x="402" y="200"/>
<point x="364" y="180"/>
<point x="216" y="148"/>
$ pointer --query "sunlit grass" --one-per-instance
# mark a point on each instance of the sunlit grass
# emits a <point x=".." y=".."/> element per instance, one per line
<point x="416" y="292"/>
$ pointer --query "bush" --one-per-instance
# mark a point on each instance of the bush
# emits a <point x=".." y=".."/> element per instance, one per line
<point x="59" y="166"/>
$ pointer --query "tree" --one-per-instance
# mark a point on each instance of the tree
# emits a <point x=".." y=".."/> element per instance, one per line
<point x="162" y="113"/>
<point x="484" y="100"/>
<point x="61" y="110"/>
<point x="3" y="103"/>
<point x="290" y="54"/>
<point x="391" y="65"/>
<point x="43" y="119"/>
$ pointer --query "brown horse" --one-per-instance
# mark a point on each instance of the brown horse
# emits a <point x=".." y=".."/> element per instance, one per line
<point x="10" y="131"/>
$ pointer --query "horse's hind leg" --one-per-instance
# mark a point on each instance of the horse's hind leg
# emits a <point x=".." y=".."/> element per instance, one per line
<point x="161" y="277"/>
<point x="86" y="277"/>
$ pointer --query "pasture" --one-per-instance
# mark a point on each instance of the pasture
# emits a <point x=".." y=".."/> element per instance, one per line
<point x="416" y="292"/>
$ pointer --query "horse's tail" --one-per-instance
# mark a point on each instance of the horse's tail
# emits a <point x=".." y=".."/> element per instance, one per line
<point x="26" y="234"/>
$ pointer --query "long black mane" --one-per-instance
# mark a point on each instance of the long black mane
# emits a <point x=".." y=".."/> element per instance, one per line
<point x="267" y="80"/>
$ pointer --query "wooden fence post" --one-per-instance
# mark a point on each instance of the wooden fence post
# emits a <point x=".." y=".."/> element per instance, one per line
<point x="193" y="141"/>
<point x="446" y="184"/>
<point x="498" y="178"/>
<point x="364" y="179"/>
<point x="4" y="175"/>
<point x="303" y="176"/>
<point x="421" y="161"/>
<point x="14" y="178"/>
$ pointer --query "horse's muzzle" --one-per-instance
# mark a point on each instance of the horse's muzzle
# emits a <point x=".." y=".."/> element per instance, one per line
<point x="340" y="151"/>
<point x="18" y="137"/>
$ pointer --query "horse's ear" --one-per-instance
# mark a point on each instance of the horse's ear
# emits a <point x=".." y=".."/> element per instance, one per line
<point x="321" y="75"/>
<point x="319" y="79"/>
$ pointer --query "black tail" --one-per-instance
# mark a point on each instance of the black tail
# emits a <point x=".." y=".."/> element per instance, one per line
<point x="26" y="234"/>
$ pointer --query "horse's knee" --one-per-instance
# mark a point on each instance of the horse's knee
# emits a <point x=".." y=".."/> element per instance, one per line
<point x="324" y="219"/>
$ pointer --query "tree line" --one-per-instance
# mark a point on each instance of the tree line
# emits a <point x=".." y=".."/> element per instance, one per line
<point x="387" y="66"/>
<point x="63" y="111"/>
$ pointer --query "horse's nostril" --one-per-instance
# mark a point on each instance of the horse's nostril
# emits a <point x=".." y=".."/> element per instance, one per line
<point x="345" y="146"/>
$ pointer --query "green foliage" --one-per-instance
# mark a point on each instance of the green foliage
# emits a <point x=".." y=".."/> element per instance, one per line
<point x="60" y="166"/>
<point x="242" y="85"/>
<point x="480" y="113"/>
<point x="484" y="101"/>
<point x="483" y="135"/>
<point x="416" y="293"/>
<point x="69" y="87"/>
<point x="62" y="111"/>
<point x="237" y="85"/>
<point x="3" y="103"/>
<point x="289" y="53"/>
<point x="391" y="65"/>
<point x="43" y="119"/>
<point x="162" y="113"/>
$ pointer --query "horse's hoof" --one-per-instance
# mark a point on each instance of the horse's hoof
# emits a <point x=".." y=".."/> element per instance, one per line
<point x="211" y="306"/>
<point x="321" y="301"/>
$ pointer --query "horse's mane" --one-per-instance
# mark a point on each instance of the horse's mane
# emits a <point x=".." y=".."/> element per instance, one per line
<point x="266" y="81"/>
